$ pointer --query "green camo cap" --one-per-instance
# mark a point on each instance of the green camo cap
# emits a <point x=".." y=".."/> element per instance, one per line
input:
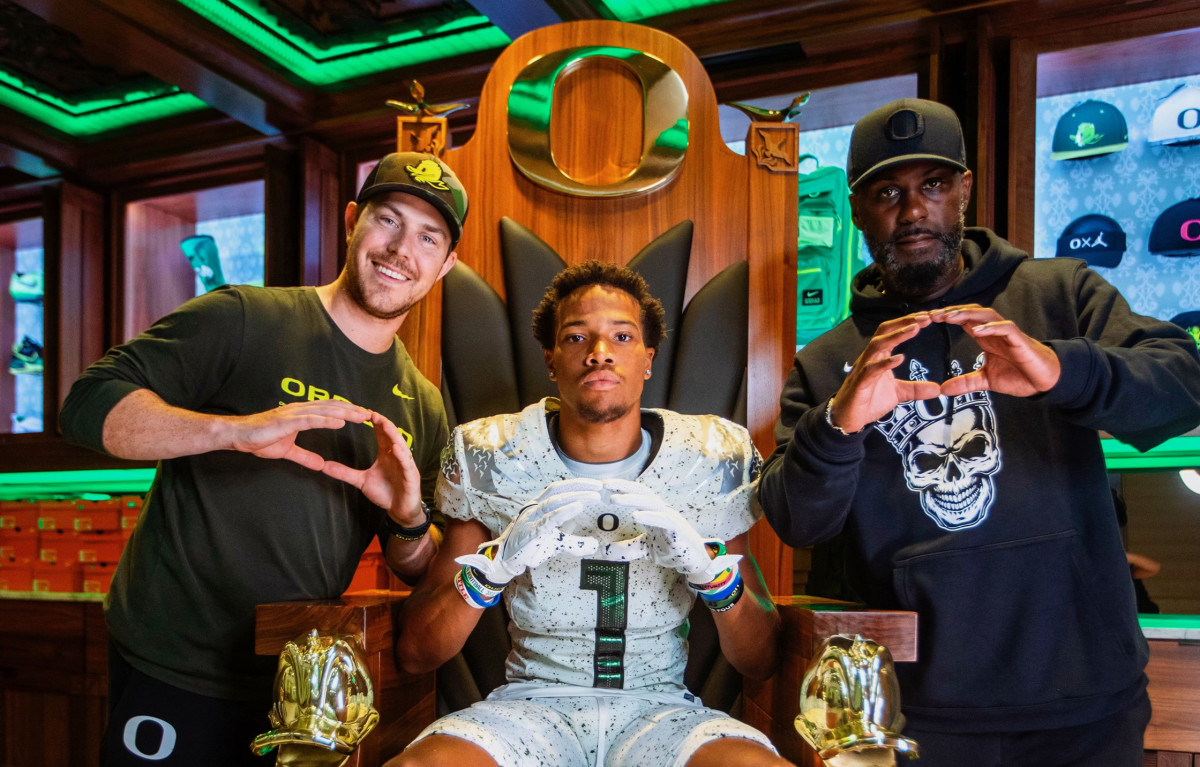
<point x="424" y="176"/>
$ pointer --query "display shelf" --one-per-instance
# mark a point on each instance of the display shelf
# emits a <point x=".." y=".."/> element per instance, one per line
<point x="1165" y="626"/>
<point x="44" y="484"/>
<point x="1178" y="453"/>
<point x="190" y="243"/>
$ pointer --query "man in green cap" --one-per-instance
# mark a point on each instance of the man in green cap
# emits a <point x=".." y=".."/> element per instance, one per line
<point x="217" y="392"/>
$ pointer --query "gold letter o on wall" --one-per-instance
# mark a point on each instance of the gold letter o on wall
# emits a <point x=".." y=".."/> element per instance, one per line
<point x="665" y="131"/>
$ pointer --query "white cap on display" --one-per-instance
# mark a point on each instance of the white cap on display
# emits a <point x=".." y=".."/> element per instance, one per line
<point x="1177" y="118"/>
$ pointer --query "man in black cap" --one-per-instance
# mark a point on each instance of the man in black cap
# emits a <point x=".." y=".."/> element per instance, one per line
<point x="217" y="392"/>
<point x="949" y="428"/>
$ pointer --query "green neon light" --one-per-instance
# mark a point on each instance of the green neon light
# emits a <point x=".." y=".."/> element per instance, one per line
<point x="1170" y="622"/>
<point x="635" y="10"/>
<point x="28" y="485"/>
<point x="393" y="46"/>
<point x="88" y="117"/>
<point x="1178" y="453"/>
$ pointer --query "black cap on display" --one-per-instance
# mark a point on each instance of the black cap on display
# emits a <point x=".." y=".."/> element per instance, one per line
<point x="1097" y="239"/>
<point x="1176" y="231"/>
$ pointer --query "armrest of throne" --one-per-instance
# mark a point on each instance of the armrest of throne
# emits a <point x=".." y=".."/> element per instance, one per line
<point x="773" y="704"/>
<point x="406" y="702"/>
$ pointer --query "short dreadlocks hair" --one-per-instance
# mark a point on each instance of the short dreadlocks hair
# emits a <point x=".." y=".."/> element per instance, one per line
<point x="571" y="279"/>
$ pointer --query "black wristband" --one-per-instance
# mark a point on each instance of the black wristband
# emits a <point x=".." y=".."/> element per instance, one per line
<point x="409" y="533"/>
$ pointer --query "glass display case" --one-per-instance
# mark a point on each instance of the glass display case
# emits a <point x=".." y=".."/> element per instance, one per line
<point x="182" y="245"/>
<point x="1117" y="176"/>
<point x="22" y="326"/>
<point x="1105" y="167"/>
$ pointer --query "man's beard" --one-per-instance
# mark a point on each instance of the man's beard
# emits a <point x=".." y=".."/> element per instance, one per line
<point x="354" y="287"/>
<point x="913" y="280"/>
<point x="592" y="414"/>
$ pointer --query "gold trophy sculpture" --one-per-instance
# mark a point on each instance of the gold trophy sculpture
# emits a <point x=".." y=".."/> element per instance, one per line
<point x="324" y="703"/>
<point x="422" y="126"/>
<point x="850" y="704"/>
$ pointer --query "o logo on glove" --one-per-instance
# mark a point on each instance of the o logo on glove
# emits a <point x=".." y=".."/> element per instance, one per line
<point x="165" y="746"/>
<point x="600" y="521"/>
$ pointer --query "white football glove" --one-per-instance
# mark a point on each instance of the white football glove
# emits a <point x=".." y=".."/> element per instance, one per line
<point x="671" y="541"/>
<point x="535" y="535"/>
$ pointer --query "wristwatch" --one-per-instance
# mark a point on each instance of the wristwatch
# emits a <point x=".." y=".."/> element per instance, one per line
<point x="409" y="533"/>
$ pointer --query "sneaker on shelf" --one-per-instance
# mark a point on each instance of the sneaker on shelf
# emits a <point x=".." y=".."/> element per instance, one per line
<point x="23" y="424"/>
<point x="27" y="286"/>
<point x="26" y="357"/>
<point x="202" y="254"/>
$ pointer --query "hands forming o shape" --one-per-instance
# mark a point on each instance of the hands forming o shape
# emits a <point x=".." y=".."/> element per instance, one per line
<point x="1014" y="363"/>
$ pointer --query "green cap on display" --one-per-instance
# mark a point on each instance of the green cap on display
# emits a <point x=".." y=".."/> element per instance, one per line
<point x="1091" y="128"/>
<point x="424" y="176"/>
<point x="903" y="131"/>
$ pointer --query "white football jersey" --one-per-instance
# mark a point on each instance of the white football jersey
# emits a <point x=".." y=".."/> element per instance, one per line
<point x="600" y="622"/>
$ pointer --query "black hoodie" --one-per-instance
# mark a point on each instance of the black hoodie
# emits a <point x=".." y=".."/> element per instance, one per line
<point x="991" y="515"/>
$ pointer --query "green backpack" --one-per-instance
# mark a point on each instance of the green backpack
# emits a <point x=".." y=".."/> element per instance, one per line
<point x="828" y="251"/>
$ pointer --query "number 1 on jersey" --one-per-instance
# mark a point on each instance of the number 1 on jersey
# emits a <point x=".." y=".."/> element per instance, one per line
<point x="610" y="581"/>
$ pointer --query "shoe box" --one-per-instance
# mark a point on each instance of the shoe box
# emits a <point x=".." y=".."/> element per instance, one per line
<point x="70" y="545"/>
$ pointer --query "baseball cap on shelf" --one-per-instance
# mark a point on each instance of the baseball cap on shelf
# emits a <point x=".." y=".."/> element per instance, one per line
<point x="1097" y="239"/>
<point x="1091" y="128"/>
<point x="1177" y="118"/>
<point x="903" y="131"/>
<point x="1176" y="231"/>
<point x="1189" y="321"/>
<point x="424" y="176"/>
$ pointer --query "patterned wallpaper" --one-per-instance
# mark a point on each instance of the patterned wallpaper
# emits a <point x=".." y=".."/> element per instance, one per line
<point x="241" y="243"/>
<point x="1132" y="186"/>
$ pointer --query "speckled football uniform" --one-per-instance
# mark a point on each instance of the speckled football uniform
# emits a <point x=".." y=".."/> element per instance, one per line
<point x="704" y="467"/>
<point x="596" y="667"/>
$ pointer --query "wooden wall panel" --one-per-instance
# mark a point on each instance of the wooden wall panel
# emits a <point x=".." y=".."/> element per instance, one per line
<point x="157" y="277"/>
<point x="1174" y="672"/>
<point x="322" y="220"/>
<point x="81" y="288"/>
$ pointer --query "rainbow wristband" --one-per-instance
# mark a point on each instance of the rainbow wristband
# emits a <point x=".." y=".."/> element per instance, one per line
<point x="729" y="601"/>
<point x="475" y="589"/>
<point x="724" y="587"/>
<point x="724" y="583"/>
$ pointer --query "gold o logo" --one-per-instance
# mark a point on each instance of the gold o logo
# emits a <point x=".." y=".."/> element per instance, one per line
<point x="665" y="127"/>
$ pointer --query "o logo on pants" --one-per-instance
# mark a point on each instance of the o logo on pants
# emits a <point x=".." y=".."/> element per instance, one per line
<point x="165" y="746"/>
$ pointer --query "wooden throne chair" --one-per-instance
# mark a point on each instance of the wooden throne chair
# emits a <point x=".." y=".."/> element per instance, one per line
<point x="600" y="140"/>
